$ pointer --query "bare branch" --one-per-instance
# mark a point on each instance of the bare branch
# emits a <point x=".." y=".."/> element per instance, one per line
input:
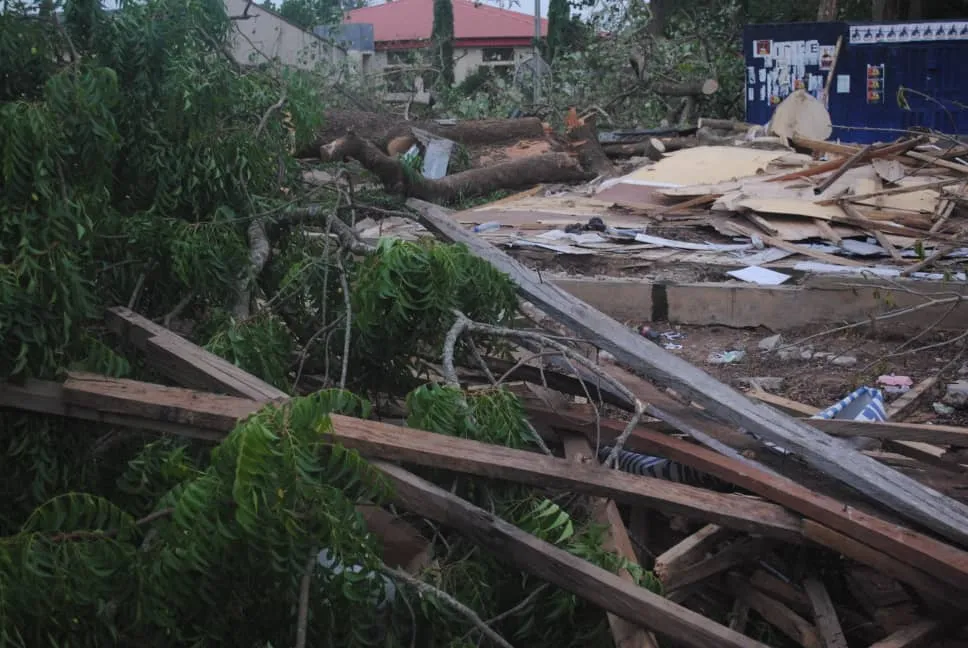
<point x="457" y="606"/>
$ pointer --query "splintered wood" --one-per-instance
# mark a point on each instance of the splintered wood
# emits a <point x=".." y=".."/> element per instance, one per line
<point x="822" y="545"/>
<point x="892" y="209"/>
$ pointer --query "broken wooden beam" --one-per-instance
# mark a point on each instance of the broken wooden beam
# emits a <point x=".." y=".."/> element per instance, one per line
<point x="824" y="613"/>
<point x="557" y="566"/>
<point x="830" y="456"/>
<point x="943" y="561"/>
<point x="915" y="635"/>
<point x="46" y="397"/>
<point x="689" y="551"/>
<point x="733" y="555"/>
<point x="382" y="441"/>
<point x="184" y="362"/>
<point x="606" y="513"/>
<point x="775" y="613"/>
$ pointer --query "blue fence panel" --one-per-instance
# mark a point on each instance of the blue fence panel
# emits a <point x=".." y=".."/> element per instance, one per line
<point x="889" y="77"/>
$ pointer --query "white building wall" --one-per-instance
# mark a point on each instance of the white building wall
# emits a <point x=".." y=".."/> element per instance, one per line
<point x="265" y="36"/>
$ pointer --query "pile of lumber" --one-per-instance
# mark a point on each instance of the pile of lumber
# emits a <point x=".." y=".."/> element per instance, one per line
<point x="831" y="548"/>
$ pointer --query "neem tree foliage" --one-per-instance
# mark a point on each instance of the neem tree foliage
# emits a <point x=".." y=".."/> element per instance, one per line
<point x="134" y="155"/>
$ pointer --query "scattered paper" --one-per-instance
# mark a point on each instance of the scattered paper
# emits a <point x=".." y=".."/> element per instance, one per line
<point x="760" y="276"/>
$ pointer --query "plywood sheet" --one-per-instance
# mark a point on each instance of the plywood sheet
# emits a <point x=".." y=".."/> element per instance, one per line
<point x="915" y="201"/>
<point x="798" y="229"/>
<point x="704" y="165"/>
<point x="792" y="207"/>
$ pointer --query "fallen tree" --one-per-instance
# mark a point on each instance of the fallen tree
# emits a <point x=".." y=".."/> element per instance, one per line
<point x="399" y="179"/>
<point x="381" y="128"/>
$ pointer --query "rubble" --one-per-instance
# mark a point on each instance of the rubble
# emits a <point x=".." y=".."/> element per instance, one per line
<point x="748" y="483"/>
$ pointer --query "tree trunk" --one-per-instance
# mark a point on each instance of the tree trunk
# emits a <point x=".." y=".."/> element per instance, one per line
<point x="381" y="129"/>
<point x="660" y="16"/>
<point x="590" y="153"/>
<point x="687" y="88"/>
<point x="396" y="178"/>
<point x="651" y="148"/>
<point x="827" y="11"/>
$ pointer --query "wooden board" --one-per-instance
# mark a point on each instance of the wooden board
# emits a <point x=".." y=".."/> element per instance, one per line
<point x="606" y="513"/>
<point x="830" y="456"/>
<point x="45" y="397"/>
<point x="184" y="362"/>
<point x="944" y="562"/>
<point x="559" y="567"/>
<point x="382" y="441"/>
<point x="704" y="165"/>
<point x="824" y="614"/>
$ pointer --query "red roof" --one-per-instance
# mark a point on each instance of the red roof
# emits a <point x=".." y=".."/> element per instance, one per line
<point x="412" y="20"/>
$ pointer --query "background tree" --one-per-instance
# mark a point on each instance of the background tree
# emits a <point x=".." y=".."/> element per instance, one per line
<point x="559" y="26"/>
<point x="442" y="38"/>
<point x="313" y="13"/>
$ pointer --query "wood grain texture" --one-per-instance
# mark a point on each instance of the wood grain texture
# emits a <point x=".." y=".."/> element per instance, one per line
<point x="915" y="635"/>
<point x="775" y="613"/>
<point x="382" y="441"/>
<point x="824" y="614"/>
<point x="828" y="455"/>
<point x="689" y="551"/>
<point x="524" y="551"/>
<point x="921" y="552"/>
<point x="186" y="363"/>
<point x="605" y="512"/>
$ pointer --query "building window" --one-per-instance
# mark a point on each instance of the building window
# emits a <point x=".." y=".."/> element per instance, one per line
<point x="498" y="54"/>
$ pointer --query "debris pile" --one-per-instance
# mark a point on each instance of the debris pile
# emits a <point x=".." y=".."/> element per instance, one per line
<point x="835" y="527"/>
<point x="748" y="516"/>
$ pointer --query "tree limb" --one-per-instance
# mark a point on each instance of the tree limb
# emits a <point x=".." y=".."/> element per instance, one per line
<point x="399" y="179"/>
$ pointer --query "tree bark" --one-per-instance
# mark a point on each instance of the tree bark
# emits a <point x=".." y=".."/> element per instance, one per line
<point x="827" y="11"/>
<point x="396" y="178"/>
<point x="651" y="148"/>
<point x="590" y="153"/>
<point x="686" y="88"/>
<point x="659" y="19"/>
<point x="381" y="129"/>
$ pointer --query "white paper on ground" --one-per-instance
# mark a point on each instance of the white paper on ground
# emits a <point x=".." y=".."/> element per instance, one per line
<point x="758" y="275"/>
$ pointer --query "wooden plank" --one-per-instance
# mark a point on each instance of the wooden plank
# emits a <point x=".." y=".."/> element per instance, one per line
<point x="605" y="512"/>
<point x="776" y="614"/>
<point x="830" y="456"/>
<point x="824" y="614"/>
<point x="934" y="160"/>
<point x="169" y="404"/>
<point x="524" y="551"/>
<point x="382" y="441"/>
<point x="45" y="397"/>
<point x="906" y="400"/>
<point x="690" y="551"/>
<point x="915" y="635"/>
<point x="737" y="553"/>
<point x="184" y="362"/>
<point x="943" y="561"/>
<point x="926" y="584"/>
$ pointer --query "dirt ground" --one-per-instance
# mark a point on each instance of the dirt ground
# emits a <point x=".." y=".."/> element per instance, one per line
<point x="817" y="381"/>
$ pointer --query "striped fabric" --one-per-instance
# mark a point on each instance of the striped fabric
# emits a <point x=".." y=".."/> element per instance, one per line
<point x="661" y="468"/>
